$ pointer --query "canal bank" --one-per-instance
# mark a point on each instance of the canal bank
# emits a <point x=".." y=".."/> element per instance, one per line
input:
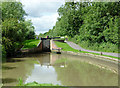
<point x="99" y="61"/>
<point x="73" y="48"/>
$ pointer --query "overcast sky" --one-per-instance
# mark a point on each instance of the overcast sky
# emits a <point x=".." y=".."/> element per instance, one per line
<point x="42" y="13"/>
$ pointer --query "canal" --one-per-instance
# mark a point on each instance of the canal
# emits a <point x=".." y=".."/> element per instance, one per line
<point x="63" y="69"/>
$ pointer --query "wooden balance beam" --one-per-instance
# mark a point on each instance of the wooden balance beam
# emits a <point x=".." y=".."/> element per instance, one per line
<point x="58" y="50"/>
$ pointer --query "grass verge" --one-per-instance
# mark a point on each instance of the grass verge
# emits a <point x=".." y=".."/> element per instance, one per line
<point x="37" y="84"/>
<point x="28" y="44"/>
<point x="102" y="47"/>
<point x="66" y="47"/>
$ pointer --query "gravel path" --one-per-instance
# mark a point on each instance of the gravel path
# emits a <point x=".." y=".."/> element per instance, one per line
<point x="75" y="46"/>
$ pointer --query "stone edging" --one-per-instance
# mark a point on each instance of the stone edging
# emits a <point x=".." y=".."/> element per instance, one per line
<point x="105" y="57"/>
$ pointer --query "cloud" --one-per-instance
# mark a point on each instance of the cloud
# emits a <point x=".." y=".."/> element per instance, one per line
<point x="44" y="23"/>
<point x="37" y="9"/>
<point x="43" y="13"/>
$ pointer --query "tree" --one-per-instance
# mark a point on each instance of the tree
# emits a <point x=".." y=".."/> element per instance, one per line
<point x="15" y="29"/>
<point x="13" y="10"/>
<point x="30" y="34"/>
<point x="90" y="22"/>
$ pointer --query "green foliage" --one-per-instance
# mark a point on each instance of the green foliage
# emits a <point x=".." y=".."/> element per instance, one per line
<point x="94" y="25"/>
<point x="12" y="10"/>
<point x="37" y="84"/>
<point x="28" y="44"/>
<point x="8" y="45"/>
<point x="20" y="82"/>
<point x="15" y="29"/>
<point x="3" y="54"/>
<point x="41" y="35"/>
<point x="103" y="47"/>
<point x="30" y="34"/>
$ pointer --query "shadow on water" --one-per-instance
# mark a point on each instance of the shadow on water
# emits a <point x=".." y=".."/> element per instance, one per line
<point x="14" y="60"/>
<point x="8" y="80"/>
<point x="7" y="68"/>
<point x="27" y="54"/>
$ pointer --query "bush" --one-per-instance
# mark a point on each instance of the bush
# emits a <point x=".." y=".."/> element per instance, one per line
<point x="9" y="46"/>
<point x="103" y="47"/>
<point x="3" y="54"/>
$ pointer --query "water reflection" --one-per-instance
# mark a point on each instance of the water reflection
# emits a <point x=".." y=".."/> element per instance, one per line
<point x="7" y="68"/>
<point x="43" y="74"/>
<point x="11" y="72"/>
<point x="72" y="70"/>
<point x="78" y="73"/>
<point x="62" y="69"/>
<point x="8" y="80"/>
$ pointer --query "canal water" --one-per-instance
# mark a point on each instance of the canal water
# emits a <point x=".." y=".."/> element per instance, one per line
<point x="63" y="69"/>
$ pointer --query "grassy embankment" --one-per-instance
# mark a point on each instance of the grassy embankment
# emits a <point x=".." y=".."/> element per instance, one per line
<point x="28" y="44"/>
<point x="66" y="47"/>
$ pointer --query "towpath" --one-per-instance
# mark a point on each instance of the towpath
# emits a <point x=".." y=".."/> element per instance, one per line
<point x="75" y="46"/>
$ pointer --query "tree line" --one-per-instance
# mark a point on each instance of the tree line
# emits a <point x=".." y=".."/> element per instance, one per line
<point x="15" y="29"/>
<point x="93" y="25"/>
